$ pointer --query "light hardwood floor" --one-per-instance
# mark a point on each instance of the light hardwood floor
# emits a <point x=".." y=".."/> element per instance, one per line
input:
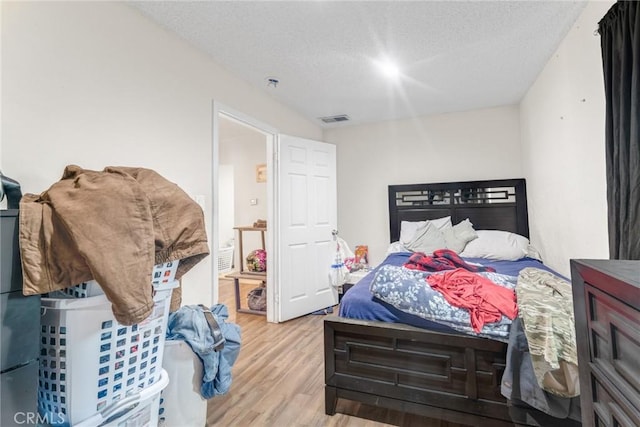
<point x="278" y="379"/>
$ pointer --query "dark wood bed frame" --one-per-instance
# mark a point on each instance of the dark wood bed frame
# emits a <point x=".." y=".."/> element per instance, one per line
<point x="455" y="378"/>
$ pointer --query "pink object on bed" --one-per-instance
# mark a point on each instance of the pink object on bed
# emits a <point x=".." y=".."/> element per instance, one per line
<point x="485" y="300"/>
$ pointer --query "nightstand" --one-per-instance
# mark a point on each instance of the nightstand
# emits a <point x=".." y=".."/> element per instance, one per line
<point x="353" y="278"/>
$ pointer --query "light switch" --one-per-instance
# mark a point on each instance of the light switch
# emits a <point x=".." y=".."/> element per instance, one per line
<point x="253" y="202"/>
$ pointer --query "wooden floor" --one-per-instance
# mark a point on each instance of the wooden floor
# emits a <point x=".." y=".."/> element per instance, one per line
<point x="278" y="379"/>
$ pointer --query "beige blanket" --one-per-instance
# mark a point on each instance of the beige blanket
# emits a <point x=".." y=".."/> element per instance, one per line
<point x="545" y="306"/>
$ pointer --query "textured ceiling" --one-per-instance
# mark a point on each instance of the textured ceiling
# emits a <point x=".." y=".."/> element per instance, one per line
<point x="453" y="55"/>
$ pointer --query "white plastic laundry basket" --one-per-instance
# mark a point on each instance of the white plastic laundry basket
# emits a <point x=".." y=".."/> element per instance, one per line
<point x="181" y="403"/>
<point x="88" y="361"/>
<point x="137" y="410"/>
<point x="225" y="259"/>
<point x="162" y="273"/>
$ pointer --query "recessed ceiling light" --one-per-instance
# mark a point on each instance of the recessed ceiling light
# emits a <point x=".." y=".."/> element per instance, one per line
<point x="388" y="68"/>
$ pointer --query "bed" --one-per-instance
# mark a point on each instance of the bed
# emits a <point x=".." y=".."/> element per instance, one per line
<point x="403" y="362"/>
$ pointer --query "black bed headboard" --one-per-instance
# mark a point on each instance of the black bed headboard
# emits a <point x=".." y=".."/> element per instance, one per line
<point x="490" y="205"/>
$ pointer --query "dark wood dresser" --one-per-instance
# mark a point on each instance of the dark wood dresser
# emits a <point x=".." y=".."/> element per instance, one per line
<point x="19" y="332"/>
<point x="606" y="298"/>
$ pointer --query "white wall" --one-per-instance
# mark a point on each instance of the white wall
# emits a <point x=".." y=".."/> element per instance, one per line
<point x="99" y="84"/>
<point x="562" y="122"/>
<point x="481" y="144"/>
<point x="244" y="149"/>
<point x="555" y="139"/>
<point x="226" y="213"/>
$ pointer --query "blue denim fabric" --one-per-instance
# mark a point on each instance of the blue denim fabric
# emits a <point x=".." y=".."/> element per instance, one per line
<point x="189" y="324"/>
<point x="519" y="382"/>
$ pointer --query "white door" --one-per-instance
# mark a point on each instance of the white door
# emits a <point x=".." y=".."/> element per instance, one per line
<point x="306" y="214"/>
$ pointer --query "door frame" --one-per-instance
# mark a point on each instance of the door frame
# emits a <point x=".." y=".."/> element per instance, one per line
<point x="271" y="134"/>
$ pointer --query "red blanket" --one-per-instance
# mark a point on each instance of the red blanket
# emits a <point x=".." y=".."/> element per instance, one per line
<point x="485" y="300"/>
<point x="442" y="259"/>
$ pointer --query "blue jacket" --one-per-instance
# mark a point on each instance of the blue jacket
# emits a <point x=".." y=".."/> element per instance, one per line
<point x="190" y="325"/>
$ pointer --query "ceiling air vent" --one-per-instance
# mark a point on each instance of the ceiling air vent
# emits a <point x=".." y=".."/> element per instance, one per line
<point x="335" y="119"/>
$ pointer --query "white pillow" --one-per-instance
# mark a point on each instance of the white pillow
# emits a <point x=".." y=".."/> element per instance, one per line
<point x="459" y="235"/>
<point x="408" y="228"/>
<point x="532" y="252"/>
<point x="497" y="245"/>
<point x="427" y="239"/>
<point x="396" y="247"/>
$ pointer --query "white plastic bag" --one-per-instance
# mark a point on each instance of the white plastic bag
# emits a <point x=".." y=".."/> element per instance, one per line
<point x="338" y="271"/>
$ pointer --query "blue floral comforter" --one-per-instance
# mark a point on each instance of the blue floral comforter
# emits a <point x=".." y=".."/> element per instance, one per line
<point x="408" y="291"/>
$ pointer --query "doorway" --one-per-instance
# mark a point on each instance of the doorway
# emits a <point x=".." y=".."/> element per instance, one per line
<point x="301" y="197"/>
<point x="242" y="151"/>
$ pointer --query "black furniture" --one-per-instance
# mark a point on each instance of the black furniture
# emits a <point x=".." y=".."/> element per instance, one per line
<point x="451" y="377"/>
<point x="606" y="298"/>
<point x="20" y="318"/>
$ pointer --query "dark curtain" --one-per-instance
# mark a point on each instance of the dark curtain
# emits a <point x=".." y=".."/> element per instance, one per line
<point x="620" y="43"/>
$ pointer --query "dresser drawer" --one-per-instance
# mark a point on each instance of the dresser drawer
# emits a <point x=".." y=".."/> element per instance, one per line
<point x="614" y="341"/>
<point x="606" y="299"/>
<point x="610" y="407"/>
<point x="10" y="268"/>
<point x="19" y="391"/>
<point x="20" y="320"/>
